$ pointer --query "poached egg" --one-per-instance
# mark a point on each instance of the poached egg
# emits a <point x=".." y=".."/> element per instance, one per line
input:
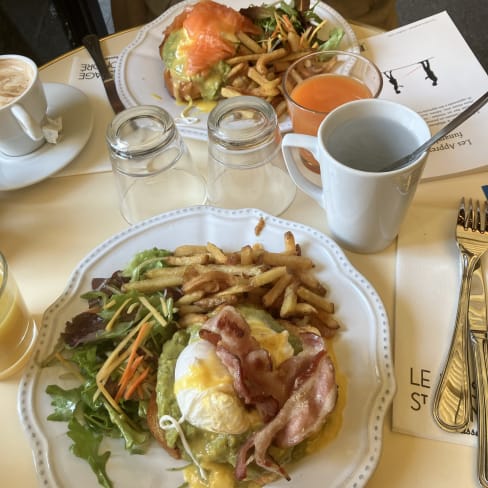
<point x="204" y="388"/>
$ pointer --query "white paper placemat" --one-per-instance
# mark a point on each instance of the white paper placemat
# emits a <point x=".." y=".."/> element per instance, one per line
<point x="428" y="66"/>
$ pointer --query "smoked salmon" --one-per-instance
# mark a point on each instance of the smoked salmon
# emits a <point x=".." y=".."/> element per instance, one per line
<point x="210" y="28"/>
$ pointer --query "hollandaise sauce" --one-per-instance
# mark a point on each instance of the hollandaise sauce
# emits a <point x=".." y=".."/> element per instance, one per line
<point x="214" y="440"/>
<point x="220" y="476"/>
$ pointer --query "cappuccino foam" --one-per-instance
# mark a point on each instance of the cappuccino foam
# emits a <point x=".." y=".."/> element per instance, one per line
<point x="15" y="78"/>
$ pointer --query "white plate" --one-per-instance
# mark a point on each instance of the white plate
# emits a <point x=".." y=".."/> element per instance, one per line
<point x="139" y="69"/>
<point x="362" y="349"/>
<point x="74" y="108"/>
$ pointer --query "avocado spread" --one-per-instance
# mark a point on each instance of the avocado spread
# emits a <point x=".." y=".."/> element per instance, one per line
<point x="174" y="57"/>
<point x="208" y="446"/>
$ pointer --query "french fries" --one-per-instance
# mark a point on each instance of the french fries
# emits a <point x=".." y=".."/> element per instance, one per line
<point x="258" y="67"/>
<point x="204" y="278"/>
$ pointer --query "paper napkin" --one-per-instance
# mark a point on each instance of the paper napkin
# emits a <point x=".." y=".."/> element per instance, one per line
<point x="427" y="285"/>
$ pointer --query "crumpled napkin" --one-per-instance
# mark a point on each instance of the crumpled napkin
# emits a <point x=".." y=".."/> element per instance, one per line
<point x="52" y="128"/>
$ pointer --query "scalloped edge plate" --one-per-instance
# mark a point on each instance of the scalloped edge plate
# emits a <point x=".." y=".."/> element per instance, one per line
<point x="139" y="69"/>
<point x="362" y="349"/>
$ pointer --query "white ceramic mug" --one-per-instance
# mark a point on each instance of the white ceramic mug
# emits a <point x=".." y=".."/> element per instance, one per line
<point x="23" y="106"/>
<point x="365" y="206"/>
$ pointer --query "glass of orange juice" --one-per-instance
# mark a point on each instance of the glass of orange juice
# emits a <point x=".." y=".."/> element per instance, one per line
<point x="18" y="331"/>
<point x="319" y="82"/>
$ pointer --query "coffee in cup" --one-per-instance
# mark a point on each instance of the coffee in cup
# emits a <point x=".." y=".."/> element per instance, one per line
<point x="16" y="77"/>
<point x="23" y="106"/>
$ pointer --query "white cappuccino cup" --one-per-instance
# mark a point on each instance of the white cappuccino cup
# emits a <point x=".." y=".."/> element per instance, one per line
<point x="23" y="106"/>
<point x="365" y="206"/>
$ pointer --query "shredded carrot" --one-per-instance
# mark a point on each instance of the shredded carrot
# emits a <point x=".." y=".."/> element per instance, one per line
<point x="138" y="381"/>
<point x="133" y="361"/>
<point x="127" y="375"/>
<point x="287" y="23"/>
<point x="130" y="368"/>
<point x="137" y="342"/>
<point x="114" y="359"/>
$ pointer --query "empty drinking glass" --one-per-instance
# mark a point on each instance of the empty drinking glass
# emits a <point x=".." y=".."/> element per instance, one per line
<point x="153" y="168"/>
<point x="245" y="163"/>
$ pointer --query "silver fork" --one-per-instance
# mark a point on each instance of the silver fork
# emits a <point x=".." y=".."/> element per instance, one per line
<point x="452" y="400"/>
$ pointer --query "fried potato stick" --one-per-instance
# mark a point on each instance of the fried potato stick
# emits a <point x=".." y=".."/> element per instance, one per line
<point x="315" y="300"/>
<point x="268" y="276"/>
<point x="217" y="254"/>
<point x="152" y="285"/>
<point x="292" y="262"/>
<point x="268" y="58"/>
<point x="250" y="43"/>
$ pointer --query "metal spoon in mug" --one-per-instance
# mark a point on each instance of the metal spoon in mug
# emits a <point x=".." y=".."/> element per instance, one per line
<point x="458" y="120"/>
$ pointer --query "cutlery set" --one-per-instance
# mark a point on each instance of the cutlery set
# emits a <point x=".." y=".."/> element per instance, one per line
<point x="467" y="360"/>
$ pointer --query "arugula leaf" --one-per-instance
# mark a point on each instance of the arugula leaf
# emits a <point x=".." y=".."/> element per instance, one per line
<point x="64" y="402"/>
<point x="86" y="445"/>
<point x="136" y="441"/>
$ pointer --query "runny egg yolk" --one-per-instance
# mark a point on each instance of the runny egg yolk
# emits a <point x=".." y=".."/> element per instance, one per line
<point x="205" y="393"/>
<point x="276" y="343"/>
<point x="204" y="388"/>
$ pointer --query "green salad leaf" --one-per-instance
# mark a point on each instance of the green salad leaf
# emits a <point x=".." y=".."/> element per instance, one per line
<point x="96" y="348"/>
<point x="269" y="16"/>
<point x="335" y="38"/>
<point x="143" y="261"/>
<point x="86" y="445"/>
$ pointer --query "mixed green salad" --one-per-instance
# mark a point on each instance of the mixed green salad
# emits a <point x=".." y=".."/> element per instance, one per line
<point x="277" y="19"/>
<point x="113" y="349"/>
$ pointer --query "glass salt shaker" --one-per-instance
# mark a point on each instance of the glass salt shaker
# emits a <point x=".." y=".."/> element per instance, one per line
<point x="245" y="163"/>
<point x="153" y="168"/>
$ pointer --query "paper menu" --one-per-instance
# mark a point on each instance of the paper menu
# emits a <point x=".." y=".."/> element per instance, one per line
<point x="428" y="66"/>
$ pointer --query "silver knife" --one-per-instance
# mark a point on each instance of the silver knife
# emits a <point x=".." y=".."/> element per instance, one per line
<point x="478" y="332"/>
<point x="92" y="44"/>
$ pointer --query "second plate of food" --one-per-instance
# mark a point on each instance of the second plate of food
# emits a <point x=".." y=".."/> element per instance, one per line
<point x="140" y="69"/>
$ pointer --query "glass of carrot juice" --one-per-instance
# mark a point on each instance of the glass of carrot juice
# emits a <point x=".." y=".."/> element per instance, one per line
<point x="319" y="82"/>
<point x="18" y="331"/>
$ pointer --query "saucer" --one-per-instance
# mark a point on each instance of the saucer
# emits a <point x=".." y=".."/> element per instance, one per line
<point x="75" y="110"/>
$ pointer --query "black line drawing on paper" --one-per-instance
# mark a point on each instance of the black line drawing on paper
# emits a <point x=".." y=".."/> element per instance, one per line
<point x="393" y="81"/>
<point x="428" y="71"/>
<point x="401" y="75"/>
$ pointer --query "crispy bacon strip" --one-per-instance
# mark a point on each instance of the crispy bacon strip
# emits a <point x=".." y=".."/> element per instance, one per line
<point x="294" y="399"/>
<point x="254" y="379"/>
<point x="302" y="415"/>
